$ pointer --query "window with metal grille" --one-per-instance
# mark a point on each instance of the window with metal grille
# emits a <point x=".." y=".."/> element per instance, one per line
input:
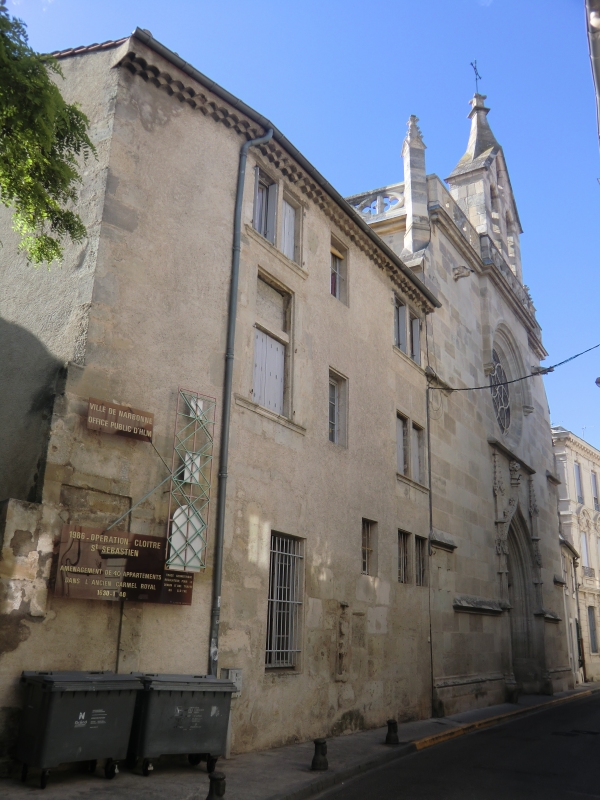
<point x="420" y="561"/>
<point x="592" y="626"/>
<point x="368" y="547"/>
<point x="403" y="545"/>
<point x="578" y="482"/>
<point x="191" y="481"/>
<point x="285" y="601"/>
<point x="595" y="491"/>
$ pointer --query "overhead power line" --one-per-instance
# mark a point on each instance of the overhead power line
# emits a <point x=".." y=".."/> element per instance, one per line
<point x="539" y="371"/>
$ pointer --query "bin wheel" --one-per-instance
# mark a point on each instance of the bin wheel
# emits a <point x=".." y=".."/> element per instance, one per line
<point x="211" y="763"/>
<point x="147" y="767"/>
<point x="195" y="759"/>
<point x="24" y="771"/>
<point x="110" y="769"/>
<point x="92" y="765"/>
<point x="44" y="778"/>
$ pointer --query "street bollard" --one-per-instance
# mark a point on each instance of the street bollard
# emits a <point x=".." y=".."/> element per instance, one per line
<point x="319" y="761"/>
<point x="217" y="785"/>
<point x="392" y="732"/>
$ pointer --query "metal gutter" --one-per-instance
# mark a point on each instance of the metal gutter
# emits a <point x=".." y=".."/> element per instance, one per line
<point x="146" y="38"/>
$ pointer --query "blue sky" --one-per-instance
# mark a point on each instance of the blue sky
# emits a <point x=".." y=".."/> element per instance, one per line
<point x="340" y="78"/>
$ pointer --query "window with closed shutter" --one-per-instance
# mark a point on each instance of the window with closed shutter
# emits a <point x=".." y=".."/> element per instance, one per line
<point x="269" y="369"/>
<point x="288" y="244"/>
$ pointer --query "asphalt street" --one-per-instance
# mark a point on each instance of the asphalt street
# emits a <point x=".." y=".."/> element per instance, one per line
<point x="550" y="754"/>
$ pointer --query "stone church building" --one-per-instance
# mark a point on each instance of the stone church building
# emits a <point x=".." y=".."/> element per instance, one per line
<point x="389" y="534"/>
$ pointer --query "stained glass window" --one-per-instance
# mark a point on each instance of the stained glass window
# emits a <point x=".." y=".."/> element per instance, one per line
<point x="500" y="393"/>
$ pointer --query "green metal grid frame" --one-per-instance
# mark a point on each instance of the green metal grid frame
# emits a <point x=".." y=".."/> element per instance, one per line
<point x="190" y="481"/>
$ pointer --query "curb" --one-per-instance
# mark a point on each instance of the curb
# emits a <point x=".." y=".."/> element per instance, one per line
<point x="332" y="779"/>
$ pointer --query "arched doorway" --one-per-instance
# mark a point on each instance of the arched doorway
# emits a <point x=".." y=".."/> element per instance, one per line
<point x="525" y="664"/>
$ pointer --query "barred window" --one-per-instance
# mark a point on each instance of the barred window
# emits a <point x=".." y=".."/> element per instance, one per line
<point x="367" y="547"/>
<point x="403" y="544"/>
<point x="285" y="601"/>
<point x="420" y="561"/>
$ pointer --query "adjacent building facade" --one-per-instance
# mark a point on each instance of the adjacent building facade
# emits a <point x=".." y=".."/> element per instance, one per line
<point x="578" y="466"/>
<point x="370" y="491"/>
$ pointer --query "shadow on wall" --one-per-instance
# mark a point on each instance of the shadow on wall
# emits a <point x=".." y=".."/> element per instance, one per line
<point x="28" y="379"/>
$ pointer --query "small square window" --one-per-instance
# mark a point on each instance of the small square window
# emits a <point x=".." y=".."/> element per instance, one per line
<point x="339" y="272"/>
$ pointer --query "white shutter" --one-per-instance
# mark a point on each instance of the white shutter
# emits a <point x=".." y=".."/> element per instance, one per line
<point x="288" y="244"/>
<point x="415" y="329"/>
<point x="401" y="444"/>
<point x="269" y="368"/>
<point x="260" y="357"/>
<point x="271" y="212"/>
<point x="415" y="447"/>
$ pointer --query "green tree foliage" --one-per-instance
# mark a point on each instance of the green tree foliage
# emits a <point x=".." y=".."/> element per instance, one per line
<point x="41" y="139"/>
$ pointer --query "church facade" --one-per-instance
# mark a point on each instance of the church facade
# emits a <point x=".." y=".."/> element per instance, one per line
<point x="497" y="614"/>
<point x="390" y="534"/>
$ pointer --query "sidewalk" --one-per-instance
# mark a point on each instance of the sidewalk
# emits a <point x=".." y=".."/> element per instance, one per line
<point x="283" y="773"/>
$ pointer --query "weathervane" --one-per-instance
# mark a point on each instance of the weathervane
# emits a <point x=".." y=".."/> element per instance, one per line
<point x="477" y="76"/>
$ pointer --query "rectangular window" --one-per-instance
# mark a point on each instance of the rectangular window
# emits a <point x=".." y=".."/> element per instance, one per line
<point x="415" y="338"/>
<point x="339" y="275"/>
<point x="420" y="561"/>
<point x="265" y="205"/>
<point x="403" y="545"/>
<point x="578" y="483"/>
<point x="338" y="399"/>
<point x="334" y="411"/>
<point x="585" y="555"/>
<point x="269" y="370"/>
<point x="416" y="454"/>
<point x="595" y="491"/>
<point x="402" y="444"/>
<point x="288" y="243"/>
<point x="400" y="339"/>
<point x="369" y="530"/>
<point x="592" y="625"/>
<point x="284" y="601"/>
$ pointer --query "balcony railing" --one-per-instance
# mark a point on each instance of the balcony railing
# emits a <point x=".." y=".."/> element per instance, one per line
<point x="379" y="203"/>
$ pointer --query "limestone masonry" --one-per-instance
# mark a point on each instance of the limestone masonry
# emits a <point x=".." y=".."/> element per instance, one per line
<point x="391" y="539"/>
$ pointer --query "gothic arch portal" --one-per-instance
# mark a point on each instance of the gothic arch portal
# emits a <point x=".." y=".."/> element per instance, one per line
<point x="521" y="594"/>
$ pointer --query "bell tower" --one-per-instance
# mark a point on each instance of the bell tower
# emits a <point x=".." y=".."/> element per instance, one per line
<point x="481" y="186"/>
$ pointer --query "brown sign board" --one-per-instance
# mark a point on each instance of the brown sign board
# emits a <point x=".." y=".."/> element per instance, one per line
<point x="119" y="420"/>
<point x="94" y="564"/>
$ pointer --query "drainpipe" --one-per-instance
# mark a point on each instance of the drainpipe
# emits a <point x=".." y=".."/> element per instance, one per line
<point x="215" y="613"/>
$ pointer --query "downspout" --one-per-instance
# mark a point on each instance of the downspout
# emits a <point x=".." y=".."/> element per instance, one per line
<point x="435" y="709"/>
<point x="215" y="612"/>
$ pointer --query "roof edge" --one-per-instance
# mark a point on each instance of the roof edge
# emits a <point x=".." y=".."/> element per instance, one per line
<point x="146" y="38"/>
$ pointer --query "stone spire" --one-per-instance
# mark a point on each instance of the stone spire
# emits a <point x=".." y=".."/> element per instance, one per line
<point x="415" y="189"/>
<point x="481" y="186"/>
<point x="482" y="141"/>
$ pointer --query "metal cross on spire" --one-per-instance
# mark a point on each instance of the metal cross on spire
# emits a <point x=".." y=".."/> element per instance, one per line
<point x="477" y="76"/>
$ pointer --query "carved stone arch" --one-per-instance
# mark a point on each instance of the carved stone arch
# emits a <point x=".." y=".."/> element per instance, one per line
<point x="522" y="598"/>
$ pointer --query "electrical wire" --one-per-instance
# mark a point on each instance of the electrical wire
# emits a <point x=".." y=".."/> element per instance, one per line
<point x="540" y="371"/>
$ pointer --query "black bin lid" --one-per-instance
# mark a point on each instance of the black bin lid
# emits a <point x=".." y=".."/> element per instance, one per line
<point x="74" y="681"/>
<point x="190" y="683"/>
